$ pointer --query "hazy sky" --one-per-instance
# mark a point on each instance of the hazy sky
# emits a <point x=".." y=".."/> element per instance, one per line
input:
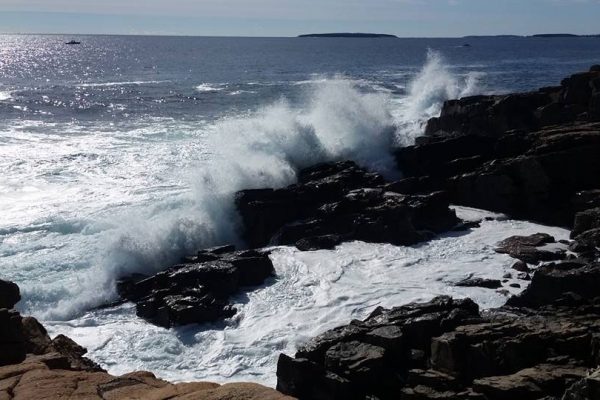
<point x="291" y="17"/>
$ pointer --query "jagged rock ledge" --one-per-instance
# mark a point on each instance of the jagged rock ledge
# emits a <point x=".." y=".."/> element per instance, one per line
<point x="530" y="155"/>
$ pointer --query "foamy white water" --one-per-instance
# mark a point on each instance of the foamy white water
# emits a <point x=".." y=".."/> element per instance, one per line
<point x="312" y="292"/>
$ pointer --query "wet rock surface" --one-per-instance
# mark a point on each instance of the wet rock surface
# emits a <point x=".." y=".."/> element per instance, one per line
<point x="543" y="344"/>
<point x="337" y="202"/>
<point x="331" y="203"/>
<point x="480" y="282"/>
<point x="198" y="290"/>
<point x="532" y="249"/>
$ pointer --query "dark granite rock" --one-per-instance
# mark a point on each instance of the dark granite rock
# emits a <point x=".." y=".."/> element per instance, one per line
<point x="23" y="336"/>
<point x="586" y="389"/>
<point x="370" y="357"/>
<point x="528" y="155"/>
<point x="589" y="238"/>
<point x="551" y="282"/>
<point x="505" y="354"/>
<point x="337" y="202"/>
<point x="521" y="266"/>
<point x="198" y="290"/>
<point x="586" y="220"/>
<point x="539" y="346"/>
<point x="13" y="347"/>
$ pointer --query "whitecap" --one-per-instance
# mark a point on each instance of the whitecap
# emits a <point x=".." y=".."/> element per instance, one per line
<point x="126" y="83"/>
<point x="5" y="95"/>
<point x="208" y="88"/>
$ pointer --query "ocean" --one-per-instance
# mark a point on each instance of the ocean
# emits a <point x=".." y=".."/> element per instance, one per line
<point x="122" y="154"/>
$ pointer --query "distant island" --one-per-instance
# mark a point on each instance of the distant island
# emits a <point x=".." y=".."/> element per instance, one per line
<point x="553" y="35"/>
<point x="349" y="35"/>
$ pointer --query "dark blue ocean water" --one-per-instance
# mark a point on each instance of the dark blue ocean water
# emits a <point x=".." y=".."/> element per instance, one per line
<point x="120" y="78"/>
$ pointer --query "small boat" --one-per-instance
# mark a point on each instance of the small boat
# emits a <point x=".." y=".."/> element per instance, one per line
<point x="466" y="45"/>
<point x="73" y="42"/>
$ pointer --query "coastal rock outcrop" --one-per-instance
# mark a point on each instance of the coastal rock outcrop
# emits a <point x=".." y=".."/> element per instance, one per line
<point x="198" y="290"/>
<point x="530" y="155"/>
<point x="337" y="202"/>
<point x="330" y="204"/>
<point x="575" y="99"/>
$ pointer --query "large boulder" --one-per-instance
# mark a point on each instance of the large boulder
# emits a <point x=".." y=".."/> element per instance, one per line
<point x="586" y="220"/>
<point x="265" y="211"/>
<point x="198" y="290"/>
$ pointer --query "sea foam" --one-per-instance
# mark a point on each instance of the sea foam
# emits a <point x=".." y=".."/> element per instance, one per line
<point x="335" y="120"/>
<point x="313" y="292"/>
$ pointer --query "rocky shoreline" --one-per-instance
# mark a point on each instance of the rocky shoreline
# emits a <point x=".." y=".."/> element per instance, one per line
<point x="532" y="156"/>
<point x="34" y="366"/>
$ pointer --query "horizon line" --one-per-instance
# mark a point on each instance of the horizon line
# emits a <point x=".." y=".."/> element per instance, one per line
<point x="565" y="34"/>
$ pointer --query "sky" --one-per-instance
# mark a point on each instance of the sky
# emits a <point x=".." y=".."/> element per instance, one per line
<point x="405" y="18"/>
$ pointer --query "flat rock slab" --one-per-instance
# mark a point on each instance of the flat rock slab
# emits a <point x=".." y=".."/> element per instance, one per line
<point x="33" y="379"/>
<point x="532" y="249"/>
